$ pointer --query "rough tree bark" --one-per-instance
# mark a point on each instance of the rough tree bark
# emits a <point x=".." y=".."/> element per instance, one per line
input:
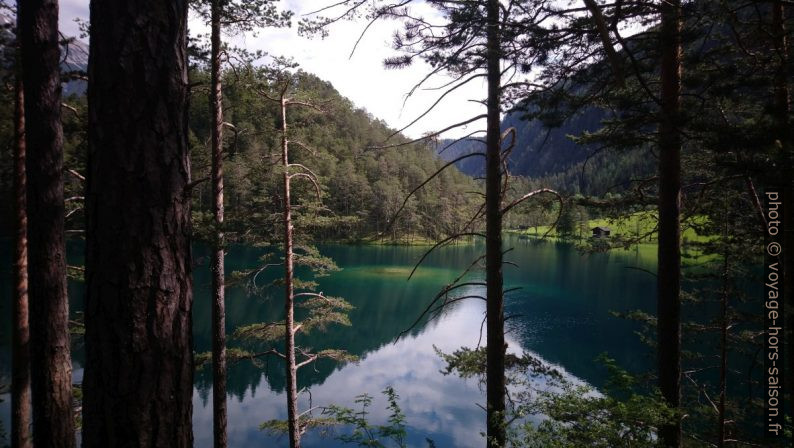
<point x="218" y="284"/>
<point x="495" y="356"/>
<point x="782" y="110"/>
<point x="20" y="357"/>
<point x="289" y="308"/>
<point x="50" y="361"/>
<point x="669" y="255"/>
<point x="138" y="380"/>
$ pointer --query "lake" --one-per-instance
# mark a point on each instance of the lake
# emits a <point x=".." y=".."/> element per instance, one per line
<point x="561" y="314"/>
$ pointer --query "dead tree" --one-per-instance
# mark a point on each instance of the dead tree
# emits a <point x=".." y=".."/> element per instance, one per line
<point x="322" y="310"/>
<point x="289" y="289"/>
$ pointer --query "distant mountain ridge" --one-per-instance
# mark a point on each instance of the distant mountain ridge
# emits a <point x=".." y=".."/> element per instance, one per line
<point x="74" y="57"/>
<point x="551" y="157"/>
<point x="539" y="151"/>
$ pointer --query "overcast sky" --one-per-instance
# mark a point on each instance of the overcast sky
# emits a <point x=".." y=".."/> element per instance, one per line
<point x="361" y="78"/>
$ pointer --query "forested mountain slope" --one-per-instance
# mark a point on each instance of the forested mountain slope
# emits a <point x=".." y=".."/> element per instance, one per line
<point x="552" y="157"/>
<point x="361" y="187"/>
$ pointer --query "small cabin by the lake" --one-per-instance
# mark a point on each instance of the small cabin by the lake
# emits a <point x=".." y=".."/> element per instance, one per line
<point x="600" y="232"/>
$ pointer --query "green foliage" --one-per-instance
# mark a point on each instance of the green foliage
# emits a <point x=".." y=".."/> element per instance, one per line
<point x="358" y="429"/>
<point x="262" y="332"/>
<point x="567" y="224"/>
<point x="361" y="187"/>
<point x="77" y="326"/>
<point x="578" y="416"/>
<point x="280" y="427"/>
<point x="77" y="400"/>
<point x="471" y="363"/>
<point x="571" y="415"/>
<point x="363" y="433"/>
<point x="324" y="311"/>
<point x="620" y="415"/>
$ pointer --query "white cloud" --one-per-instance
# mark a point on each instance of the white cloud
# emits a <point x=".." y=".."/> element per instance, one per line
<point x="68" y="11"/>
<point x="361" y="77"/>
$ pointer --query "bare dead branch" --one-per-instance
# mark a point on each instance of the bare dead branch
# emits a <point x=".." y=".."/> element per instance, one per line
<point x="191" y="185"/>
<point x="438" y="100"/>
<point x="531" y="194"/>
<point x="467" y="137"/>
<point x="431" y="135"/>
<point x="407" y="197"/>
<point x="72" y="109"/>
<point x="312" y="180"/>
<point x="432" y="302"/>
<point x="76" y="174"/>
<point x="441" y="243"/>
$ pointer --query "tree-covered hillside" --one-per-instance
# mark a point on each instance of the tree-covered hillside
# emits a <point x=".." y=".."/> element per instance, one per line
<point x="361" y="187"/>
<point x="552" y="155"/>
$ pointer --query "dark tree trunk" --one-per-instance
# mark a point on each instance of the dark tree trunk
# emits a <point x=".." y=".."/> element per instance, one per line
<point x="724" y="324"/>
<point x="606" y="41"/>
<point x="20" y="357"/>
<point x="495" y="357"/>
<point x="50" y="361"/>
<point x="138" y="380"/>
<point x="289" y="308"/>
<point x="669" y="261"/>
<point x="782" y="107"/>
<point x="218" y="285"/>
<point x="782" y="95"/>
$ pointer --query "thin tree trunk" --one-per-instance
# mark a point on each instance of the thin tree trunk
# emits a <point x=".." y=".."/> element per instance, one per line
<point x="50" y="361"/>
<point x="495" y="356"/>
<point x="782" y="106"/>
<point x="20" y="358"/>
<point x="218" y="284"/>
<point x="669" y="256"/>
<point x="138" y="383"/>
<point x="723" y="339"/>
<point x="782" y="95"/>
<point x="289" y="321"/>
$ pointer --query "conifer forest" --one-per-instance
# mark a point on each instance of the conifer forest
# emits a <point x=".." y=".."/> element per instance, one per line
<point x="396" y="223"/>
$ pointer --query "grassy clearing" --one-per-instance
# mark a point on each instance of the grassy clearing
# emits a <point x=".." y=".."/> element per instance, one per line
<point x="633" y="226"/>
<point x="639" y="227"/>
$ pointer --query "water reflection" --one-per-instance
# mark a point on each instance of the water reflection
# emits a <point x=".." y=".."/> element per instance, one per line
<point x="561" y="314"/>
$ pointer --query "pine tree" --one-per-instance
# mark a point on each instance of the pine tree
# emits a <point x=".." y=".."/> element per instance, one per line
<point x="235" y="17"/>
<point x="50" y="361"/>
<point x="20" y="382"/>
<point x="138" y="382"/>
